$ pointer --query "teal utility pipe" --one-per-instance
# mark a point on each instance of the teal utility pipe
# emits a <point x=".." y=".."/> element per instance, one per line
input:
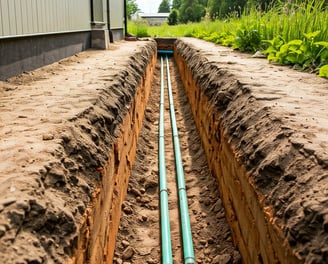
<point x="165" y="52"/>
<point x="188" y="249"/>
<point x="164" y="204"/>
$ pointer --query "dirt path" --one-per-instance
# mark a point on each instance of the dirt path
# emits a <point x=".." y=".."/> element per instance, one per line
<point x="139" y="235"/>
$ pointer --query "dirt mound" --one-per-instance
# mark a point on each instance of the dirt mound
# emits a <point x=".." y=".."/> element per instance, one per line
<point x="275" y="120"/>
<point x="57" y="126"/>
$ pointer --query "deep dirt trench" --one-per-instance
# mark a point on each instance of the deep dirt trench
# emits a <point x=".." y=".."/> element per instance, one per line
<point x="138" y="239"/>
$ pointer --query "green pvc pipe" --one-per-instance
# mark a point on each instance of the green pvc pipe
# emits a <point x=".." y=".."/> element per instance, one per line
<point x="164" y="204"/>
<point x="188" y="250"/>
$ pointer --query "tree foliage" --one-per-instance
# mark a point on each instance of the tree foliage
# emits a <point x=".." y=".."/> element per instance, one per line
<point x="191" y="11"/>
<point x="176" y="4"/>
<point x="131" y="8"/>
<point x="173" y="17"/>
<point x="164" y="7"/>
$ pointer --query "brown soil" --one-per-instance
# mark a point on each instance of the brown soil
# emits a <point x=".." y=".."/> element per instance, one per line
<point x="273" y="124"/>
<point x="57" y="127"/>
<point x="139" y="235"/>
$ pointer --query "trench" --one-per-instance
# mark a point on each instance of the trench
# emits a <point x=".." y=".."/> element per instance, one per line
<point x="139" y="231"/>
<point x="229" y="221"/>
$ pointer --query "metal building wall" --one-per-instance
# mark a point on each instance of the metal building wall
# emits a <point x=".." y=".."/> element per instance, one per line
<point x="116" y="18"/>
<point x="116" y="14"/>
<point x="33" y="17"/>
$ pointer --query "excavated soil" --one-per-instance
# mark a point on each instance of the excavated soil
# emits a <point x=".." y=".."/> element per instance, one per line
<point x="139" y="232"/>
<point x="58" y="125"/>
<point x="269" y="126"/>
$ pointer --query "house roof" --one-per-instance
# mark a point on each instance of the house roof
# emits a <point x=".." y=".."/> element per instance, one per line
<point x="154" y="15"/>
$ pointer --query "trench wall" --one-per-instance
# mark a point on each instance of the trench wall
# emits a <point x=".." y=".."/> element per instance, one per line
<point x="96" y="243"/>
<point x="255" y="233"/>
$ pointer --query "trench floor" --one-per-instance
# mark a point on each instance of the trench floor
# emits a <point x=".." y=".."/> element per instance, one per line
<point x="138" y="240"/>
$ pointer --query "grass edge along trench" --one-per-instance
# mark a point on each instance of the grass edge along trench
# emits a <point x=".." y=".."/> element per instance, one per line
<point x="296" y="35"/>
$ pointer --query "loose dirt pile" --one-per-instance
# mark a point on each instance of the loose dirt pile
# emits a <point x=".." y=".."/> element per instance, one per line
<point x="57" y="126"/>
<point x="274" y="120"/>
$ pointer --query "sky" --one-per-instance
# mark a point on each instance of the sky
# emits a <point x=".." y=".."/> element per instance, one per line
<point x="148" y="6"/>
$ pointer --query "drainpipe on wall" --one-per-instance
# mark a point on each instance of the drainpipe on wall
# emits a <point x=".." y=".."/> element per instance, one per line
<point x="91" y="10"/>
<point x="125" y="20"/>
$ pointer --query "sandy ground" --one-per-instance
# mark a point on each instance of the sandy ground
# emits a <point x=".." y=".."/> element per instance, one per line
<point x="57" y="125"/>
<point x="140" y="229"/>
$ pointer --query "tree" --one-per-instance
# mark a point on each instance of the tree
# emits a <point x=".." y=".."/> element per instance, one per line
<point x="176" y="4"/>
<point x="131" y="8"/>
<point x="164" y="7"/>
<point x="173" y="17"/>
<point x="191" y="11"/>
<point x="203" y="2"/>
<point x="213" y="8"/>
<point x="223" y="8"/>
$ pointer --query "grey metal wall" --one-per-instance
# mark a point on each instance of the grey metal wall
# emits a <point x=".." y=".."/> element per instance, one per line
<point x="33" y="17"/>
<point x="116" y="14"/>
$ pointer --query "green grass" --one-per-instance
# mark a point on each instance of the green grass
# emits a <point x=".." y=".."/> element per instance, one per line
<point x="274" y="31"/>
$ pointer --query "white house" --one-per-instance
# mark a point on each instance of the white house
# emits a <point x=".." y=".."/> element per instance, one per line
<point x="154" y="19"/>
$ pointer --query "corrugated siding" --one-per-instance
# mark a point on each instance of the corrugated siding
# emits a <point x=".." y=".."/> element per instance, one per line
<point x="28" y="17"/>
<point x="116" y="14"/>
<point x="98" y="10"/>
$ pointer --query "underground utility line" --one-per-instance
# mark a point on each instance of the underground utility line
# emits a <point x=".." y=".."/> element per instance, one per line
<point x="164" y="204"/>
<point x="188" y="250"/>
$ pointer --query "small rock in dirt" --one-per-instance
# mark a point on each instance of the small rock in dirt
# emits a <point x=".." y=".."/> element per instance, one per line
<point x="144" y="218"/>
<point x="118" y="261"/>
<point x="128" y="210"/>
<point x="135" y="192"/>
<point x="125" y="243"/>
<point x="67" y="138"/>
<point x="128" y="253"/>
<point x="222" y="259"/>
<point x="142" y="190"/>
<point x="144" y="199"/>
<point x="203" y="242"/>
<point x="48" y="136"/>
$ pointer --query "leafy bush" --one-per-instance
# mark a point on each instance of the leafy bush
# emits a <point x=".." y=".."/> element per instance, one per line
<point x="323" y="72"/>
<point x="247" y="40"/>
<point x="307" y="53"/>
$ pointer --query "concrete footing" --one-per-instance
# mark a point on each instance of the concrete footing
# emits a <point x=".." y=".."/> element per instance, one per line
<point x="100" y="38"/>
<point x="28" y="53"/>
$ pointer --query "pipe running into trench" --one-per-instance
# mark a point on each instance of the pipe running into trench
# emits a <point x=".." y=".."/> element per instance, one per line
<point x="164" y="204"/>
<point x="188" y="250"/>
